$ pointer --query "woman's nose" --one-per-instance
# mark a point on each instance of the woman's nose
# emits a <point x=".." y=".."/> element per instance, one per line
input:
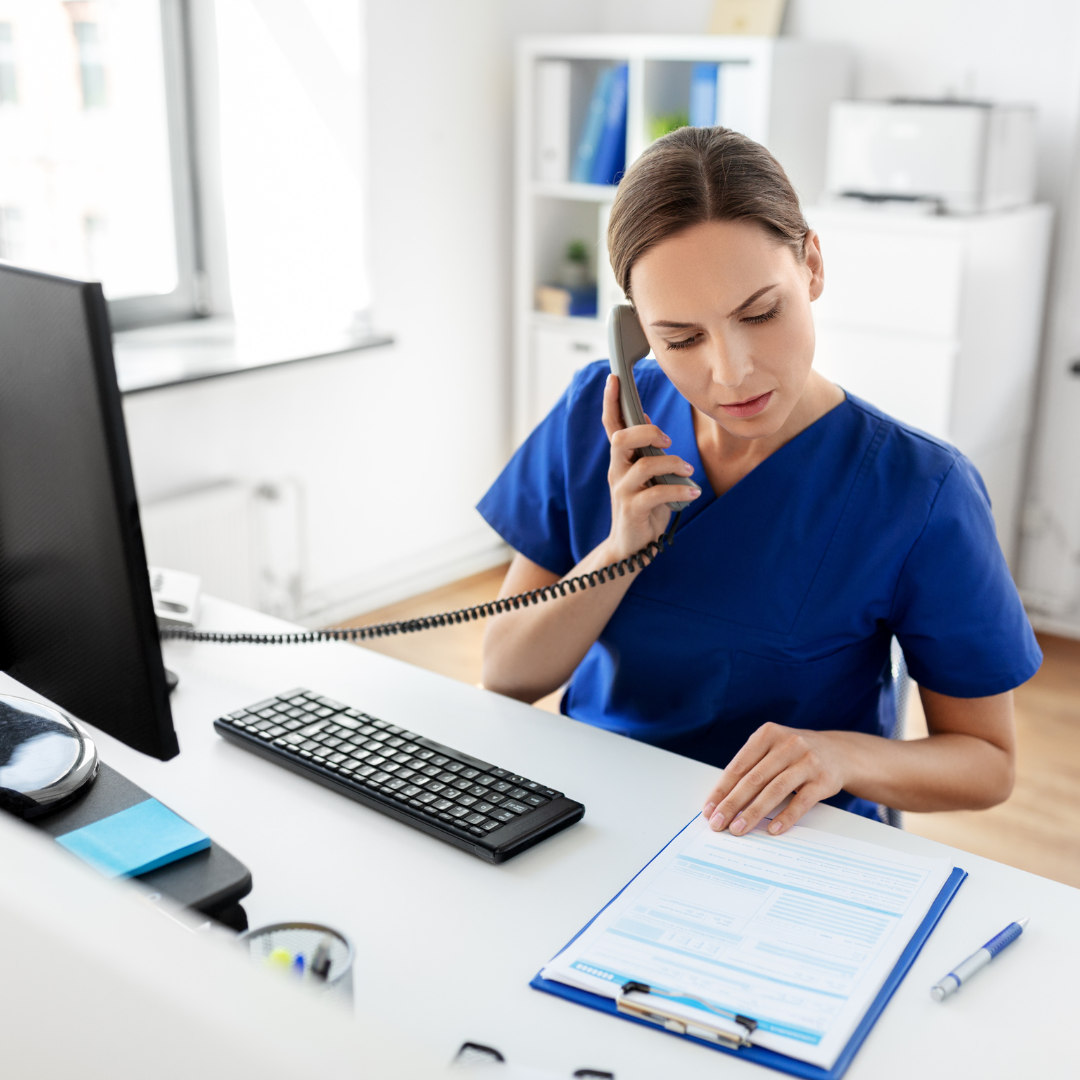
<point x="730" y="366"/>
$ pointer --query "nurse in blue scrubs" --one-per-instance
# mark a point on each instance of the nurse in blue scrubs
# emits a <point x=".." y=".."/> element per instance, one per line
<point x="819" y="528"/>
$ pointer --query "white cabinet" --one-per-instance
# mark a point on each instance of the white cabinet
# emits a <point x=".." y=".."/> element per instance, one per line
<point x="560" y="347"/>
<point x="936" y="321"/>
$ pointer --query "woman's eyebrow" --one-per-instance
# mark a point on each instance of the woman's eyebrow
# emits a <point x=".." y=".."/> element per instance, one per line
<point x="668" y="324"/>
<point x="750" y="299"/>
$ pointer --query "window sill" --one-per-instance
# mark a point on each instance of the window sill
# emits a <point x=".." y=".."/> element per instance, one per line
<point x="157" y="357"/>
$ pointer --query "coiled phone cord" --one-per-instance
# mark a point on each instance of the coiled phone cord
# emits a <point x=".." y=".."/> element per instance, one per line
<point x="632" y="563"/>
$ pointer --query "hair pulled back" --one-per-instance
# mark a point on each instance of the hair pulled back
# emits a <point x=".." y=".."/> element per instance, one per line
<point x="695" y="175"/>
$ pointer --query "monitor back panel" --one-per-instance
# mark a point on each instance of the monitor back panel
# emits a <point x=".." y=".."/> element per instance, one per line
<point x="76" y="617"/>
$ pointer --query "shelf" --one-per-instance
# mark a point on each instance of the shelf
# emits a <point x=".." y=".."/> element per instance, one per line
<point x="567" y="322"/>
<point x="554" y="189"/>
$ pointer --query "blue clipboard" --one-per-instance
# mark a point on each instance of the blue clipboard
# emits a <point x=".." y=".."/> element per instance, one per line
<point x="759" y="1054"/>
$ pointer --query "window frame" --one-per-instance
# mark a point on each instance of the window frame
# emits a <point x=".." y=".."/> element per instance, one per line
<point x="189" y="299"/>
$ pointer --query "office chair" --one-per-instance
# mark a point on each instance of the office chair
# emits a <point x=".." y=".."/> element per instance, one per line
<point x="901" y="681"/>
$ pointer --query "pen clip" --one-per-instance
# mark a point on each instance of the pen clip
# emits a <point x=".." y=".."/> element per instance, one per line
<point x="738" y="1035"/>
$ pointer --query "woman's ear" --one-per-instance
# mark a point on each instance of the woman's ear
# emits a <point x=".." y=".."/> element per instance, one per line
<point x="814" y="263"/>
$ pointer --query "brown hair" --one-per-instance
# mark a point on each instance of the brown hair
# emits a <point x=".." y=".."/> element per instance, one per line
<point x="695" y="175"/>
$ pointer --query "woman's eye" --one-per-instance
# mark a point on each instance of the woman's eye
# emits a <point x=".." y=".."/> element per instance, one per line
<point x="763" y="318"/>
<point x="685" y="343"/>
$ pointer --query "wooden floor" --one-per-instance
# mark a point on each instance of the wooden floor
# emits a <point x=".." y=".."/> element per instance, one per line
<point x="1038" y="829"/>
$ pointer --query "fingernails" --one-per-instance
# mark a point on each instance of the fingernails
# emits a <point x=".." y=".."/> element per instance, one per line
<point x="716" y="822"/>
<point x="686" y="468"/>
<point x="695" y="492"/>
<point x="665" y="440"/>
<point x="775" y="827"/>
<point x="738" y="826"/>
<point x="709" y="808"/>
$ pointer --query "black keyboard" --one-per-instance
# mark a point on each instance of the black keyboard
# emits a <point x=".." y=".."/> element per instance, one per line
<point x="490" y="812"/>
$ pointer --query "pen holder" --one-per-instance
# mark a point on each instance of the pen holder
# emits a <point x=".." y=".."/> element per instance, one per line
<point x="294" y="949"/>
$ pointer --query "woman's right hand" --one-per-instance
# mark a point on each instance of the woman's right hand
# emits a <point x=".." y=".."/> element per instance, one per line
<point x="639" y="513"/>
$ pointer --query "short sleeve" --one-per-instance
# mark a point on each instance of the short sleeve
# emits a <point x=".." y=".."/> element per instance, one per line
<point x="527" y="504"/>
<point x="956" y="612"/>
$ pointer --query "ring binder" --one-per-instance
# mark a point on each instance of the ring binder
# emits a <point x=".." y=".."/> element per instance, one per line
<point x="742" y="1027"/>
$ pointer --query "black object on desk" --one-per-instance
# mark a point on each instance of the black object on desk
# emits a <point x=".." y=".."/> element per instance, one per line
<point x="487" y="811"/>
<point x="212" y="881"/>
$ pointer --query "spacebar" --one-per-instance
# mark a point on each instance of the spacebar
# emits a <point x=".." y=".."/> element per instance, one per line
<point x="449" y="751"/>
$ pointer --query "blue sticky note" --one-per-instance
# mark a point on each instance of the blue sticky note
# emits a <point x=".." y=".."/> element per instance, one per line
<point x="136" y="840"/>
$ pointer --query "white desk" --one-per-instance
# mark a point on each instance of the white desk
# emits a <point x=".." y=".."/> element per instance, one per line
<point x="474" y="934"/>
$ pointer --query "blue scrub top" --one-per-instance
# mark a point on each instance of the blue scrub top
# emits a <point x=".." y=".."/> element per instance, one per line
<point x="778" y="600"/>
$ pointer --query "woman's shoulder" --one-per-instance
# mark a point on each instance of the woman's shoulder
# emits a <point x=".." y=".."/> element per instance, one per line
<point x="909" y="460"/>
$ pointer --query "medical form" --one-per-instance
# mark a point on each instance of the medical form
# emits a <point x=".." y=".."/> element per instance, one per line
<point x="798" y="932"/>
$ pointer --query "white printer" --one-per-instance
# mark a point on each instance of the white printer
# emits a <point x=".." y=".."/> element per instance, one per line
<point x="956" y="157"/>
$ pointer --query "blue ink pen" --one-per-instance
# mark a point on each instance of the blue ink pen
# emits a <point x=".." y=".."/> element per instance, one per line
<point x="977" y="961"/>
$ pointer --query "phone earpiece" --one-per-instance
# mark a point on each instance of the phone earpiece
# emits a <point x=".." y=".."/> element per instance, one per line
<point x="627" y="344"/>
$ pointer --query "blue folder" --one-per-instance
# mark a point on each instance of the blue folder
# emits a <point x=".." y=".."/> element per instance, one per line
<point x="760" y="1054"/>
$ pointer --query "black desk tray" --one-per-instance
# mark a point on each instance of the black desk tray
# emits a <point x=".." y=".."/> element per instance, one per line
<point x="212" y="882"/>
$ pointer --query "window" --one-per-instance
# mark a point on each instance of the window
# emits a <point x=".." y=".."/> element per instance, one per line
<point x="9" y="92"/>
<point x="94" y="150"/>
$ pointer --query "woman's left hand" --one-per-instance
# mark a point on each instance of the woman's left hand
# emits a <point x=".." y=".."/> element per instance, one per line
<point x="774" y="762"/>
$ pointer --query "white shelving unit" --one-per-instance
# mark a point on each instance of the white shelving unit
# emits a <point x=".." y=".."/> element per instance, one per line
<point x="788" y="88"/>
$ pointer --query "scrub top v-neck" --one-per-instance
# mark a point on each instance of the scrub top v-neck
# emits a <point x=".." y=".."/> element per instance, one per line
<point x="778" y="600"/>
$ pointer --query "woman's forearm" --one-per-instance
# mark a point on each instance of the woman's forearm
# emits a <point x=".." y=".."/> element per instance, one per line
<point x="531" y="652"/>
<point x="945" y="771"/>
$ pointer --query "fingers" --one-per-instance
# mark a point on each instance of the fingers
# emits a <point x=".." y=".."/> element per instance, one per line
<point x="775" y="762"/>
<point x="612" y="414"/>
<point x="806" y="798"/>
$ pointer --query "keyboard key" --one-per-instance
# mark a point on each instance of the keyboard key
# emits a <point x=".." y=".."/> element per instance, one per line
<point x="330" y="703"/>
<point x="442" y="804"/>
<point x="458" y="811"/>
<point x="390" y="767"/>
<point x="396" y="785"/>
<point x="295" y="739"/>
<point x="465" y="800"/>
<point x="395" y="730"/>
<point x="475" y="819"/>
<point x="381" y="778"/>
<point x="447" y="818"/>
<point x="395" y="742"/>
<point x="426" y="797"/>
<point x="432" y="770"/>
<point x="479" y="791"/>
<point x="431" y="810"/>
<point x="517" y="793"/>
<point x="405" y="774"/>
<point x="274" y="732"/>
<point x="424" y="755"/>
<point x="535" y="800"/>
<point x="359" y="755"/>
<point x="490" y="826"/>
<point x="411" y="790"/>
<point x="515" y="807"/>
<point x="335" y="758"/>
<point x="402" y="758"/>
<point x="454" y="767"/>
<point x="461" y="785"/>
<point x="376" y="760"/>
<point x="470" y="774"/>
<point x="495" y="797"/>
<point x="439" y="760"/>
<point x="435" y="785"/>
<point x="501" y="774"/>
<point x="476" y="831"/>
<point x="502" y="815"/>
<point x="410" y="748"/>
<point x="501" y="786"/>
<point x="484" y="808"/>
<point x="365" y="770"/>
<point x="304" y="753"/>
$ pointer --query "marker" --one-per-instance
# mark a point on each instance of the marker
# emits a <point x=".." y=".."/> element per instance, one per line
<point x="977" y="961"/>
<point x="320" y="961"/>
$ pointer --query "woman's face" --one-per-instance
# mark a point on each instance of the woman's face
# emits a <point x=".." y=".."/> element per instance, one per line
<point x="727" y="311"/>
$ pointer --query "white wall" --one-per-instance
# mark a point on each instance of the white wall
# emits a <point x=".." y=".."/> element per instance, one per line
<point x="397" y="445"/>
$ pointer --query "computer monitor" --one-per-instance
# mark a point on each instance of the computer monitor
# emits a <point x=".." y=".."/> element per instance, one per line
<point x="76" y="616"/>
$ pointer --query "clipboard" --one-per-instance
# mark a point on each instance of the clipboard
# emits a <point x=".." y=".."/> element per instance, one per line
<point x="758" y="1054"/>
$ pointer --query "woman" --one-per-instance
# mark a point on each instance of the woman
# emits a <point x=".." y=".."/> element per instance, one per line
<point x="818" y="529"/>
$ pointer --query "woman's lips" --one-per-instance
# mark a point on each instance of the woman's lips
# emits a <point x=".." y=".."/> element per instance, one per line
<point x="749" y="407"/>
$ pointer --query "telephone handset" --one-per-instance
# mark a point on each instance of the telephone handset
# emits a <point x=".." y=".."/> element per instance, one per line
<point x="627" y="345"/>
